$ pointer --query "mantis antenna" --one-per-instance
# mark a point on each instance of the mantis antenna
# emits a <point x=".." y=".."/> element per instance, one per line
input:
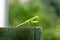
<point x="27" y="21"/>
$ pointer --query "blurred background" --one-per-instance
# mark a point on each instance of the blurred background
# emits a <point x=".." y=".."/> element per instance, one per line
<point x="48" y="12"/>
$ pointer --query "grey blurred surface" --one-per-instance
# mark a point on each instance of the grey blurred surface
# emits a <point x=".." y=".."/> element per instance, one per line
<point x="20" y="33"/>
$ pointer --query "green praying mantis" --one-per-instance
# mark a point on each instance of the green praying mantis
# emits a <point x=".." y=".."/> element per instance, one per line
<point x="29" y="20"/>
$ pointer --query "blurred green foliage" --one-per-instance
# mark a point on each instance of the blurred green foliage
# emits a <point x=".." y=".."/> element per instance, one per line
<point x="19" y="12"/>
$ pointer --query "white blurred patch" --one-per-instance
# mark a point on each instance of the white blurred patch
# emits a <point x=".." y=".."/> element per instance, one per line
<point x="2" y="13"/>
<point x="10" y="1"/>
<point x="24" y="1"/>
